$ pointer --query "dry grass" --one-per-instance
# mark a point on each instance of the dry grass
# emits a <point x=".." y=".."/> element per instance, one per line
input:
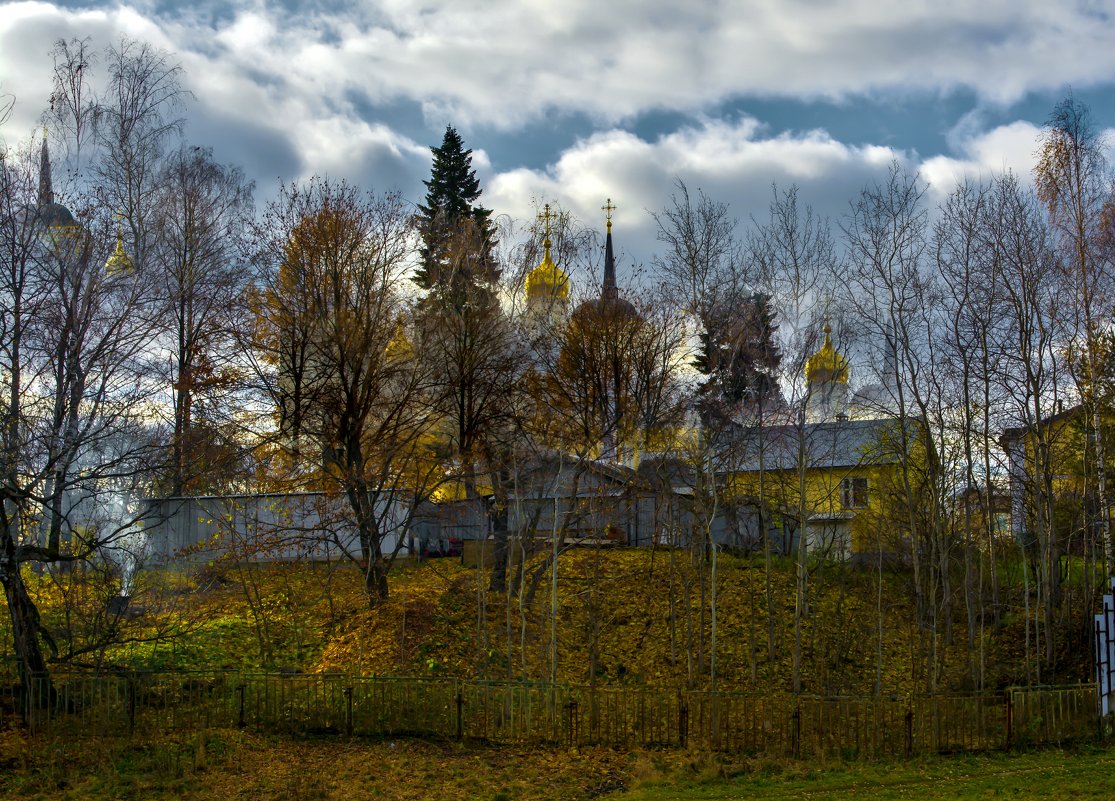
<point x="639" y="614"/>
<point x="223" y="766"/>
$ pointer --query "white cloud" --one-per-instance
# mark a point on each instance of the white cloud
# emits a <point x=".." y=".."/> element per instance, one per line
<point x="983" y="154"/>
<point x="502" y="62"/>
<point x="732" y="162"/>
<point x="296" y="93"/>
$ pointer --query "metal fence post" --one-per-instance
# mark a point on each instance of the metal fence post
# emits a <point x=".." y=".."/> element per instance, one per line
<point x="240" y="716"/>
<point x="348" y="711"/>
<point x="26" y="691"/>
<point x="572" y="722"/>
<point x="460" y="714"/>
<point x="683" y="721"/>
<point x="131" y="704"/>
<point x="909" y="732"/>
<point x="1010" y="720"/>
<point x="795" y="743"/>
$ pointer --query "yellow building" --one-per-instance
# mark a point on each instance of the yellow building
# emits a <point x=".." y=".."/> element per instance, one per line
<point x="826" y="474"/>
<point x="1051" y="465"/>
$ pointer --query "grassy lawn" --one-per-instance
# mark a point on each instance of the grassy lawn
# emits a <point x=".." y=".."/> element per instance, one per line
<point x="1054" y="774"/>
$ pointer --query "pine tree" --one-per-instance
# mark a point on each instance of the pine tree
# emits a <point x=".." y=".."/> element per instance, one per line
<point x="452" y="196"/>
<point x="739" y="355"/>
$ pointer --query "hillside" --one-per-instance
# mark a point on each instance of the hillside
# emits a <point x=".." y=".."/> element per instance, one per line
<point x="623" y="617"/>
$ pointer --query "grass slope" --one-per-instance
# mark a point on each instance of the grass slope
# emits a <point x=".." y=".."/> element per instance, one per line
<point x="638" y="616"/>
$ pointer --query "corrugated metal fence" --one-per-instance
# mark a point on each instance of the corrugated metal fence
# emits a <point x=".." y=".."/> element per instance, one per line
<point x="517" y="712"/>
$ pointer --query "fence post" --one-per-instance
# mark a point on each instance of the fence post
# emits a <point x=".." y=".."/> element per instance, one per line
<point x="909" y="732"/>
<point x="572" y="722"/>
<point x="240" y="716"/>
<point x="348" y="711"/>
<point x="131" y="705"/>
<point x="683" y="721"/>
<point x="26" y="693"/>
<point x="460" y="714"/>
<point x="795" y="733"/>
<point x="1010" y="720"/>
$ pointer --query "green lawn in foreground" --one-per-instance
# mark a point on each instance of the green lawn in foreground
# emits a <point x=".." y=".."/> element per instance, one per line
<point x="1085" y="774"/>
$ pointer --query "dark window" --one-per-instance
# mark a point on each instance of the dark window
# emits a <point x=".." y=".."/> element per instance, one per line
<point x="853" y="493"/>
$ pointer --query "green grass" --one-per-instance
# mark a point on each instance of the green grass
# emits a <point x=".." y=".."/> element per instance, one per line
<point x="1084" y="774"/>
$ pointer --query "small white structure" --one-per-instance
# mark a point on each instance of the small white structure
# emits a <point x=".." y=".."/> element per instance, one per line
<point x="1105" y="653"/>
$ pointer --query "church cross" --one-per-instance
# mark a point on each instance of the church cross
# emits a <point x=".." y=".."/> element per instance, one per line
<point x="544" y="217"/>
<point x="608" y="208"/>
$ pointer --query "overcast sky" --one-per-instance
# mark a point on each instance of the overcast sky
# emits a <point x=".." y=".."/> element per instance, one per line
<point x="581" y="100"/>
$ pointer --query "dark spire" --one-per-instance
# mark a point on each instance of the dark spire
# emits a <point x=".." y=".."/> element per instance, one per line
<point x="51" y="214"/>
<point x="609" y="291"/>
<point x="46" y="187"/>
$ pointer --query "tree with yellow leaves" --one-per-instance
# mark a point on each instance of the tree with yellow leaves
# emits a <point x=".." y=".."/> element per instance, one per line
<point x="1073" y="181"/>
<point x="331" y="311"/>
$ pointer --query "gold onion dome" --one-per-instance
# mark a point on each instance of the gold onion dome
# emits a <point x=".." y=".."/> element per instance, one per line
<point x="400" y="348"/>
<point x="119" y="261"/>
<point x="547" y="281"/>
<point x="827" y="364"/>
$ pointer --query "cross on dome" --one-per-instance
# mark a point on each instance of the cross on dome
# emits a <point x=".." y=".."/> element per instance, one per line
<point x="608" y="208"/>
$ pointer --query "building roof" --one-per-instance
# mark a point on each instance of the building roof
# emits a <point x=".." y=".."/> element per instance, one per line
<point x="836" y="444"/>
<point x="1016" y="433"/>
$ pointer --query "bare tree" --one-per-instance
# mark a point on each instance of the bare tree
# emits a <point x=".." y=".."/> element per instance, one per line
<point x="796" y="266"/>
<point x="340" y="258"/>
<point x="897" y="301"/>
<point x="74" y="107"/>
<point x="970" y="298"/>
<point x="75" y="445"/>
<point x="477" y="361"/>
<point x="203" y="209"/>
<point x="703" y="259"/>
<point x="136" y="120"/>
<point x="1033" y="300"/>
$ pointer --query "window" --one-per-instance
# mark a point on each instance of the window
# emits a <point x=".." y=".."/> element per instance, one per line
<point x="853" y="493"/>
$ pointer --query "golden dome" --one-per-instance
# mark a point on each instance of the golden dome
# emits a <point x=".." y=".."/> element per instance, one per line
<point x="547" y="281"/>
<point x="827" y="364"/>
<point x="119" y="261"/>
<point x="400" y="348"/>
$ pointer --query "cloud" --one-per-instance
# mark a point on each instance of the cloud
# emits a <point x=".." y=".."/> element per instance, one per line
<point x="501" y="63"/>
<point x="314" y="88"/>
<point x="732" y="162"/>
<point x="981" y="154"/>
<point x="249" y="108"/>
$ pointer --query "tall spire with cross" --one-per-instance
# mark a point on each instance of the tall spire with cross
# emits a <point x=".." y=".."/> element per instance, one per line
<point x="46" y="185"/>
<point x="609" y="290"/>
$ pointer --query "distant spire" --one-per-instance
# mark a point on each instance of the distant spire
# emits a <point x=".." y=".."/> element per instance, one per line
<point x="609" y="291"/>
<point x="46" y="187"/>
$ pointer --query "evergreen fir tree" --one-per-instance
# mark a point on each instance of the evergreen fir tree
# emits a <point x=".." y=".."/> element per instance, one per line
<point x="451" y="201"/>
<point x="739" y="355"/>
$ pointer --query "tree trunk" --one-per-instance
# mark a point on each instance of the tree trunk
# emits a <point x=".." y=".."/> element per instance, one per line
<point x="375" y="581"/>
<point x="500" y="551"/>
<point x="26" y="631"/>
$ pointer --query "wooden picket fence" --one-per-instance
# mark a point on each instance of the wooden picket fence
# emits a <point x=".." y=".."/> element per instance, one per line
<point x="528" y="713"/>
